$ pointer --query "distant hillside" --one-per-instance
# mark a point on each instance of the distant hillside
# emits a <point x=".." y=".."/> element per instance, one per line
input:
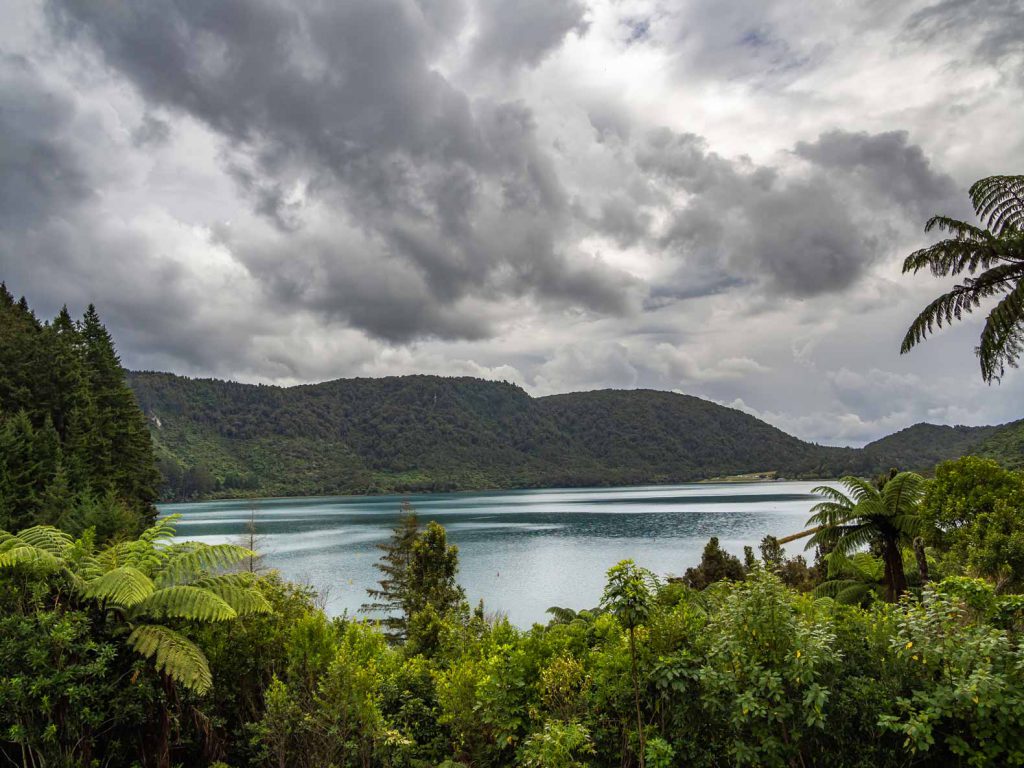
<point x="415" y="433"/>
<point x="925" y="445"/>
<point x="1005" y="445"/>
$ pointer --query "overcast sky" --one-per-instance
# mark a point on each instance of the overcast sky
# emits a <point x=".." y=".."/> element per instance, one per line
<point x="710" y="197"/>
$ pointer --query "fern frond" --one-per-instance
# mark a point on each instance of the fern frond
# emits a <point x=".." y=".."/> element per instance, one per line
<point x="185" y="602"/>
<point x="175" y="655"/>
<point x="962" y="230"/>
<point x="832" y="494"/>
<point x="902" y="494"/>
<point x="862" y="565"/>
<point x="24" y="554"/>
<point x="847" y="591"/>
<point x="999" y="201"/>
<point x="190" y="560"/>
<point x="113" y="556"/>
<point x="244" y="580"/>
<point x="952" y="305"/>
<point x="124" y="586"/>
<point x="47" y="538"/>
<point x="861" y="490"/>
<point x="829" y="513"/>
<point x="857" y="537"/>
<point x="1002" y="338"/>
<point x="162" y="531"/>
<point x="244" y="600"/>
<point x="948" y="258"/>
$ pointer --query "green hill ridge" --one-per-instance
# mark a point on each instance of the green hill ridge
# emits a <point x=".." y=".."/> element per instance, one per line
<point x="433" y="433"/>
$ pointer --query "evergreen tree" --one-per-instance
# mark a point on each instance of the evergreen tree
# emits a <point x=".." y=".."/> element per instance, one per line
<point x="20" y="354"/>
<point x="433" y="567"/>
<point x="27" y="464"/>
<point x="58" y="503"/>
<point x="70" y="430"/>
<point x="715" y="565"/>
<point x="394" y="565"/>
<point x="121" y="452"/>
<point x="63" y="388"/>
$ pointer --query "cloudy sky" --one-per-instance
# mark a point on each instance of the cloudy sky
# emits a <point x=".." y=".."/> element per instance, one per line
<point x="711" y="197"/>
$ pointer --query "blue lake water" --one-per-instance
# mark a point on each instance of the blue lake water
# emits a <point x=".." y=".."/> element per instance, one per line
<point x="521" y="551"/>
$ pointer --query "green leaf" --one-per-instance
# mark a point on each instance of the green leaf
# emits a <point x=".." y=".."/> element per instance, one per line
<point x="186" y="602"/>
<point x="125" y="586"/>
<point x="175" y="655"/>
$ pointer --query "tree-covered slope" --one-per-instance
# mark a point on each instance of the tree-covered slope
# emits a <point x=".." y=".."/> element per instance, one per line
<point x="437" y="433"/>
<point x="1005" y="444"/>
<point x="925" y="445"/>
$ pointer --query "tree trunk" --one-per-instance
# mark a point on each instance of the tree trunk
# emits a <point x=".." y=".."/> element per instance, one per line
<point x="922" y="560"/>
<point x="895" y="578"/>
<point x="636" y="696"/>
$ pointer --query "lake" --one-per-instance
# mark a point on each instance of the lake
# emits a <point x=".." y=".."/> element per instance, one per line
<point x="521" y="551"/>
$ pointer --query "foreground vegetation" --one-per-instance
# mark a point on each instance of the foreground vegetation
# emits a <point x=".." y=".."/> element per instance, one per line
<point x="150" y="653"/>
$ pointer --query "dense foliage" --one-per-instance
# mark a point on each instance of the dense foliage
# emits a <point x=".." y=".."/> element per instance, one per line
<point x="747" y="671"/>
<point x="74" y="446"/>
<point x="428" y="433"/>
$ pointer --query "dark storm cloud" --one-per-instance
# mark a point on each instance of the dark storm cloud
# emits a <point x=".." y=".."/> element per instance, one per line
<point x="888" y="165"/>
<point x="743" y="222"/>
<point x="522" y="33"/>
<point x="39" y="171"/>
<point x="341" y="103"/>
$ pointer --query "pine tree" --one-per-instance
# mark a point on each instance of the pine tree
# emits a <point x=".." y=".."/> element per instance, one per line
<point x="433" y="568"/>
<point x="58" y="503"/>
<point x="64" y="389"/>
<point x="23" y="471"/>
<point x="66" y="409"/>
<point x="122" y="458"/>
<point x="21" y="353"/>
<point x="394" y="567"/>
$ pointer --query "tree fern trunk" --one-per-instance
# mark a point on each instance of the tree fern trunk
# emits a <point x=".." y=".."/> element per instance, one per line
<point x="922" y="560"/>
<point x="895" y="578"/>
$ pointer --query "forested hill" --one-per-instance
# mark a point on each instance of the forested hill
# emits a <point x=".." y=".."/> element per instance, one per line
<point x="415" y="433"/>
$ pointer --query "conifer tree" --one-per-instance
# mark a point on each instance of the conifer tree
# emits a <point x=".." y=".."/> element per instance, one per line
<point x="23" y="471"/>
<point x="394" y="565"/>
<point x="433" y="568"/>
<point x="64" y="388"/>
<point x="70" y="430"/>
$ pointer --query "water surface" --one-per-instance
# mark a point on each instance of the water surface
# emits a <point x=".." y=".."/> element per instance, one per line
<point x="521" y="551"/>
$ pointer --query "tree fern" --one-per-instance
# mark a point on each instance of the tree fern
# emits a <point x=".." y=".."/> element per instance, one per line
<point x="865" y="515"/>
<point x="998" y="252"/>
<point x="40" y="547"/>
<point x="186" y="561"/>
<point x="47" y="538"/>
<point x="240" y="596"/>
<point x="150" y="579"/>
<point x="186" y="602"/>
<point x="1000" y="201"/>
<point x="175" y="655"/>
<point x="124" y="586"/>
